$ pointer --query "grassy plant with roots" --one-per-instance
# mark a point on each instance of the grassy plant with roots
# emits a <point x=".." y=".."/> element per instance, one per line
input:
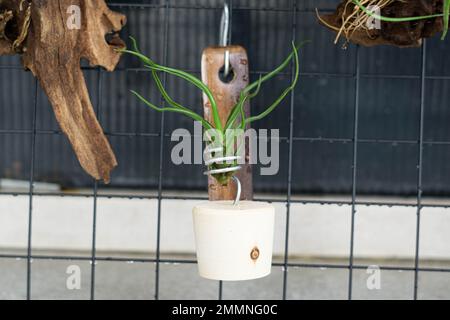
<point x="237" y="118"/>
<point x="358" y="19"/>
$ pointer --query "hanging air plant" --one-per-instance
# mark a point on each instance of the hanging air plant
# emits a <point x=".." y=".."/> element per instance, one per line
<point x="236" y="119"/>
<point x="403" y="23"/>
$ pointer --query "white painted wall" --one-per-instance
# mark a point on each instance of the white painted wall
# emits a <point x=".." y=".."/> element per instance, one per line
<point x="124" y="225"/>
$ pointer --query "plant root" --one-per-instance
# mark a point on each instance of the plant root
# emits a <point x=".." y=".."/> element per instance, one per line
<point x="351" y="23"/>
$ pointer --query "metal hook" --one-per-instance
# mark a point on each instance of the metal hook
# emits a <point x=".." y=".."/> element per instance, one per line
<point x="224" y="37"/>
<point x="225" y="26"/>
<point x="238" y="191"/>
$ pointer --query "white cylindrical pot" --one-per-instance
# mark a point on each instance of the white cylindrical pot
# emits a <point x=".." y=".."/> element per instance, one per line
<point x="234" y="242"/>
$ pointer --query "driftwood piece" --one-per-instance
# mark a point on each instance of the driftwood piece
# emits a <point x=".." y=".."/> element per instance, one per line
<point x="53" y="52"/>
<point x="226" y="96"/>
<point x="401" y="34"/>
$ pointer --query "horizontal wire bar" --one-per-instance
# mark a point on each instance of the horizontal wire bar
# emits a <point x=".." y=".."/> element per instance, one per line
<point x="202" y="198"/>
<point x="393" y="142"/>
<point x="190" y="261"/>
<point x="281" y="74"/>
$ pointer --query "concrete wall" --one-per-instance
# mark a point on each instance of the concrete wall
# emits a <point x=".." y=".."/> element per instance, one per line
<point x="124" y="225"/>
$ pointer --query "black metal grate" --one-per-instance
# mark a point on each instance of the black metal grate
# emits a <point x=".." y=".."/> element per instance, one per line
<point x="354" y="77"/>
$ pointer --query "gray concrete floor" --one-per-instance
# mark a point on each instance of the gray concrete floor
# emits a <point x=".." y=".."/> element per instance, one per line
<point x="126" y="280"/>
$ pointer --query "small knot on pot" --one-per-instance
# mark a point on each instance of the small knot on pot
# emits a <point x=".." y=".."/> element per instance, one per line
<point x="254" y="254"/>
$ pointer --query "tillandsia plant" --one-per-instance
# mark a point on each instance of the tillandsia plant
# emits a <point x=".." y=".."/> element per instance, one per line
<point x="237" y="118"/>
<point x="405" y="22"/>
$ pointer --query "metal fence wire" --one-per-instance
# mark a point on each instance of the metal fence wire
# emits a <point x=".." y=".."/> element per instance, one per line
<point x="348" y="68"/>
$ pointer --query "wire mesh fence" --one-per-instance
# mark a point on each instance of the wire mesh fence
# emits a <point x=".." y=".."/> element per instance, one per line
<point x="347" y="142"/>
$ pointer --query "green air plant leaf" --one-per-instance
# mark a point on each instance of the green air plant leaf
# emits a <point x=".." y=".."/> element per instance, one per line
<point x="250" y="92"/>
<point x="445" y="15"/>
<point x="446" y="18"/>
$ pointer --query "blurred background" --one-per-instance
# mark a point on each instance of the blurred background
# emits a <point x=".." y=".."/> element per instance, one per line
<point x="337" y="211"/>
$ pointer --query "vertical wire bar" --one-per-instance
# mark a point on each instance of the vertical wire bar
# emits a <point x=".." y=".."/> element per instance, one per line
<point x="220" y="290"/>
<point x="31" y="189"/>
<point x="94" y="242"/>
<point x="289" y="178"/>
<point x="419" y="165"/>
<point x="95" y="193"/>
<point x="161" y="153"/>
<point x="354" y="171"/>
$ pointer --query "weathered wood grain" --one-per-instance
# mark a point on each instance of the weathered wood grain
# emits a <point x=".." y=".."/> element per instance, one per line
<point x="226" y="95"/>
<point x="53" y="52"/>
